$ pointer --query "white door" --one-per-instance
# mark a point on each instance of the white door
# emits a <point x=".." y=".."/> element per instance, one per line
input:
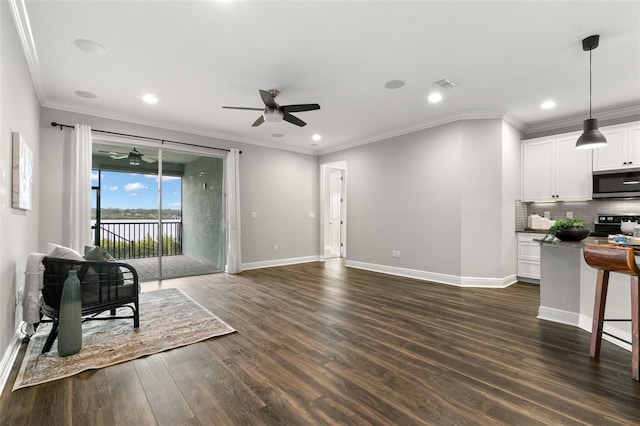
<point x="335" y="214"/>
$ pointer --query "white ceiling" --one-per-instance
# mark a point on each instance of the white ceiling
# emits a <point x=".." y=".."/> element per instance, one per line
<point x="505" y="58"/>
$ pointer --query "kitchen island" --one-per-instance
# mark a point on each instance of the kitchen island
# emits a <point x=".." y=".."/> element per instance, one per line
<point x="567" y="289"/>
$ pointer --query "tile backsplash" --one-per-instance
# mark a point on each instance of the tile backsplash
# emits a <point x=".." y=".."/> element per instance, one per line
<point x="585" y="210"/>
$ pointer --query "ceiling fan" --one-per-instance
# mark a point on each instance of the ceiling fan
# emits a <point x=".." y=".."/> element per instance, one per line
<point x="134" y="157"/>
<point x="275" y="113"/>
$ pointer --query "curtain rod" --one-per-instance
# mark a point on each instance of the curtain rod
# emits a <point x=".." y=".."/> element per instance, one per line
<point x="54" y="124"/>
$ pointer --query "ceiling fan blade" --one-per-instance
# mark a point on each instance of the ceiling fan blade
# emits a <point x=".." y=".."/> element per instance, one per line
<point x="258" y="122"/>
<point x="299" y="108"/>
<point x="268" y="99"/>
<point x="113" y="153"/>
<point x="247" y="108"/>
<point x="293" y="120"/>
<point x="148" y="159"/>
<point x="119" y="157"/>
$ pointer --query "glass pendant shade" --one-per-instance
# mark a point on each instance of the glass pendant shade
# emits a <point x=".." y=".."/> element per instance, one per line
<point x="591" y="138"/>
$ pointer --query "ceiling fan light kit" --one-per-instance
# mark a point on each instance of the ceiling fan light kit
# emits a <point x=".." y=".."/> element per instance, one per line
<point x="591" y="137"/>
<point x="273" y="115"/>
<point x="135" y="157"/>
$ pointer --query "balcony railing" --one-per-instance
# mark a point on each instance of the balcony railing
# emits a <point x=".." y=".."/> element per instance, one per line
<point x="138" y="239"/>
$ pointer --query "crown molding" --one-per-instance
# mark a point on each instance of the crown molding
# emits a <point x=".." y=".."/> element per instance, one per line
<point x="23" y="28"/>
<point x="578" y="119"/>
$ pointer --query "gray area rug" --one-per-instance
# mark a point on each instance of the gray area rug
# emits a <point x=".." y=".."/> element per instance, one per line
<point x="168" y="319"/>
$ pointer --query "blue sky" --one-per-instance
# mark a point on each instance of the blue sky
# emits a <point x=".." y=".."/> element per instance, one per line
<point x="126" y="190"/>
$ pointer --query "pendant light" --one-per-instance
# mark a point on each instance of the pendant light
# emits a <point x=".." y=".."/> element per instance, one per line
<point x="591" y="138"/>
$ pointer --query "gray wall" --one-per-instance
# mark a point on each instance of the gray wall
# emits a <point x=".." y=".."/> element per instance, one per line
<point x="203" y="211"/>
<point x="511" y="191"/>
<point x="282" y="189"/>
<point x="443" y="197"/>
<point x="19" y="112"/>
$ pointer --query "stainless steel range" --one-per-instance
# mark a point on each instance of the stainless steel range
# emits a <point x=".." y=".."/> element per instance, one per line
<point x="609" y="223"/>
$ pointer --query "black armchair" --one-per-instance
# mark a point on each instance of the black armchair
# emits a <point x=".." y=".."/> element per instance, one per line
<point x="104" y="286"/>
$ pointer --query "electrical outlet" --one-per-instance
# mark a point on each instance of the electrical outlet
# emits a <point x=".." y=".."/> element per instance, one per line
<point x="275" y="248"/>
<point x="569" y="215"/>
<point x="395" y="253"/>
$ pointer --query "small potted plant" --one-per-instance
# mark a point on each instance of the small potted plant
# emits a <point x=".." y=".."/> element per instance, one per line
<point x="568" y="230"/>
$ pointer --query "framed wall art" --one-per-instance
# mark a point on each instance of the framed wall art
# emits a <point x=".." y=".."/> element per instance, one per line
<point x="22" y="173"/>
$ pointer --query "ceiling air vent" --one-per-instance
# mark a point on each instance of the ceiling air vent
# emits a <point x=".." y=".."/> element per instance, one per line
<point x="444" y="83"/>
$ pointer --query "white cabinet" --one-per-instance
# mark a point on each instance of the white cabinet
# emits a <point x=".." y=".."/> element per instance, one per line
<point x="529" y="255"/>
<point x="554" y="170"/>
<point x="622" y="150"/>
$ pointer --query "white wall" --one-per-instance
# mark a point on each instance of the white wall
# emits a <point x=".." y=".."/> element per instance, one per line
<point x="442" y="196"/>
<point x="19" y="112"/>
<point x="281" y="186"/>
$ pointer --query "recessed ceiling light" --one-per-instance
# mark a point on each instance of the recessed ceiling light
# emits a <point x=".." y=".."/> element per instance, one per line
<point x="435" y="97"/>
<point x="548" y="105"/>
<point x="316" y="137"/>
<point x="394" y="84"/>
<point x="84" y="94"/>
<point x="150" y="99"/>
<point x="90" y="46"/>
<point x="277" y="135"/>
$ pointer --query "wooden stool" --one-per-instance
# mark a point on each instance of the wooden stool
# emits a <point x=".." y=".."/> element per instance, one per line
<point x="608" y="259"/>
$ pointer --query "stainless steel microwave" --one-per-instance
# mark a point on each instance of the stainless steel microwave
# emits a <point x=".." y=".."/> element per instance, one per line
<point x="621" y="183"/>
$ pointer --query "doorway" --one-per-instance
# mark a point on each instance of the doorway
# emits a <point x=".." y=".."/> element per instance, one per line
<point x="163" y="212"/>
<point x="334" y="207"/>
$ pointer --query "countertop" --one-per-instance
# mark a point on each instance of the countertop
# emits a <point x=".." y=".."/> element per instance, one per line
<point x="532" y="231"/>
<point x="588" y="240"/>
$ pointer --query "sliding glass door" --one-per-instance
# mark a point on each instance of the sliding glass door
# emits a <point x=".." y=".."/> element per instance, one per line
<point x="202" y="220"/>
<point x="159" y="210"/>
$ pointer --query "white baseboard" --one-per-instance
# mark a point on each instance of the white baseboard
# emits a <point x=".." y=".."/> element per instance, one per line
<point x="9" y="357"/>
<point x="583" y="322"/>
<point x="558" y="315"/>
<point x="434" y="276"/>
<point x="280" y="262"/>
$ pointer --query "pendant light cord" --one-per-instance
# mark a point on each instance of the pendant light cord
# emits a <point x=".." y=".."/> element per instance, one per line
<point x="590" y="83"/>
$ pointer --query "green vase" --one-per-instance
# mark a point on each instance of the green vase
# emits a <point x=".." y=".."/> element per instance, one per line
<point x="70" y="321"/>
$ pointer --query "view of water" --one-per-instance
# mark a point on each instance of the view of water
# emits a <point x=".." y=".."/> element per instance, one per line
<point x="136" y="229"/>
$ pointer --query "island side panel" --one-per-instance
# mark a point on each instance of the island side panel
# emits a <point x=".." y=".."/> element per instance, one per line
<point x="560" y="284"/>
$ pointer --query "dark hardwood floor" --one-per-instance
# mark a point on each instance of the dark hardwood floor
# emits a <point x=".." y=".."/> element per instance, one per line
<point x="319" y="343"/>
